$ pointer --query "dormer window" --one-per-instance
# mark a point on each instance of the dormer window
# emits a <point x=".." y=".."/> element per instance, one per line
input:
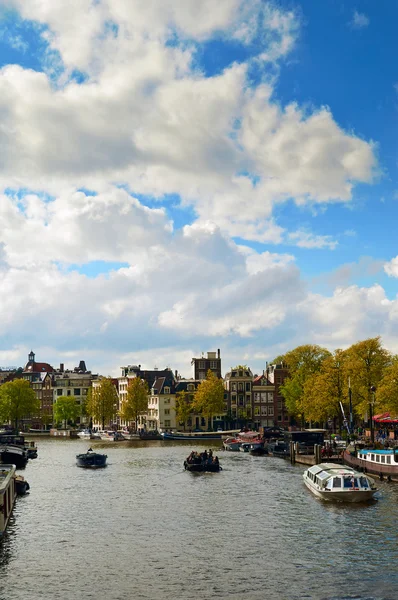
<point x="190" y="387"/>
<point x="167" y="390"/>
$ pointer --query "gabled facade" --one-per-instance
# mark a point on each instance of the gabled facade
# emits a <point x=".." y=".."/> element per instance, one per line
<point x="277" y="374"/>
<point x="263" y="402"/>
<point x="238" y="385"/>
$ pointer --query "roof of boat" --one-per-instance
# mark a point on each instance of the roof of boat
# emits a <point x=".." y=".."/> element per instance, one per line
<point x="373" y="451"/>
<point x="332" y="469"/>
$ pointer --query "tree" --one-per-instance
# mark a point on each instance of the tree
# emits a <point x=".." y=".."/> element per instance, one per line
<point x="302" y="362"/>
<point x="324" y="390"/>
<point x="209" y="397"/>
<point x="17" y="400"/>
<point x="387" y="390"/>
<point x="102" y="401"/>
<point x="66" y="409"/>
<point x="366" y="364"/>
<point x="184" y="402"/>
<point x="136" y="403"/>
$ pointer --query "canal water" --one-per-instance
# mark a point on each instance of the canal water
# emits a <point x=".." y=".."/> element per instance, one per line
<point x="144" y="528"/>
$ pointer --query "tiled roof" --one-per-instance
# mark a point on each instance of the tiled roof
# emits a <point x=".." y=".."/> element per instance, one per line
<point x="35" y="367"/>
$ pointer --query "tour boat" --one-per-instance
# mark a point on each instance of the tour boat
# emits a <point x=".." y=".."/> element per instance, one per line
<point x="333" y="482"/>
<point x="383" y="463"/>
<point x="91" y="460"/>
<point x="8" y="494"/>
<point x="112" y="436"/>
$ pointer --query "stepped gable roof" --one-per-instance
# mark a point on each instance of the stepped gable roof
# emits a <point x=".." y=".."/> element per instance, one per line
<point x="38" y="367"/>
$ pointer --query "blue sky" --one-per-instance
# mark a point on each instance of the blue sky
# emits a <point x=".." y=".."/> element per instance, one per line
<point x="180" y="144"/>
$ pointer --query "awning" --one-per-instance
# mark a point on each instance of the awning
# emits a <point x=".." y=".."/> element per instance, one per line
<point x="385" y="415"/>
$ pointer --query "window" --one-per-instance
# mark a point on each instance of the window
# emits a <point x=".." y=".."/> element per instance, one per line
<point x="270" y="396"/>
<point x="383" y="459"/>
<point x="264" y="411"/>
<point x="166" y="411"/>
<point x="68" y="393"/>
<point x="240" y="387"/>
<point x="256" y="411"/>
<point x="233" y="399"/>
<point x="247" y="387"/>
<point x="167" y="390"/>
<point x="336" y="482"/>
<point x="213" y="364"/>
<point x="256" y="397"/>
<point x="377" y="458"/>
<point x="59" y="392"/>
<point x="190" y="387"/>
<point x="279" y="417"/>
<point x="167" y="400"/>
<point x="234" y="387"/>
<point x="202" y="364"/>
<point x="167" y="423"/>
<point x="240" y="400"/>
<point x="202" y="375"/>
<point x="270" y="411"/>
<point x="77" y="392"/>
<point x="373" y="456"/>
<point x="388" y="459"/>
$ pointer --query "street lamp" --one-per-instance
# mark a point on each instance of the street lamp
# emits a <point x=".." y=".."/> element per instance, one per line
<point x="371" y="405"/>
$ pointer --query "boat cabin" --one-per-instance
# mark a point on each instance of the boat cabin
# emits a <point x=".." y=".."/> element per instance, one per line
<point x="347" y="479"/>
<point x="380" y="457"/>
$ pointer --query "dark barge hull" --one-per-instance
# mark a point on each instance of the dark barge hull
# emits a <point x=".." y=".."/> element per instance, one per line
<point x="200" y="468"/>
<point x="382" y="471"/>
<point x="13" y="457"/>
<point x="91" y="461"/>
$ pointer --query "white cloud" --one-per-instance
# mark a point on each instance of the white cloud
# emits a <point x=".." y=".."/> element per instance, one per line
<point x="305" y="239"/>
<point x="359" y="20"/>
<point x="391" y="267"/>
<point x="146" y="118"/>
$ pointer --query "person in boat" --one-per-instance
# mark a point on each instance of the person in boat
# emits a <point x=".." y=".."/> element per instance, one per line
<point x="89" y="450"/>
<point x="216" y="462"/>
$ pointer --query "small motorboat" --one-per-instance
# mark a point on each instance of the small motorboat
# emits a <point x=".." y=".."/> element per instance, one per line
<point x="202" y="463"/>
<point x="231" y="444"/>
<point x="91" y="460"/>
<point x="331" y="481"/>
<point x="245" y="447"/>
<point x="21" y="485"/>
<point x="258" y="449"/>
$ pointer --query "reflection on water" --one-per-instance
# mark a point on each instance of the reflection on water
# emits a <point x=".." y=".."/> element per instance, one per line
<point x="145" y="528"/>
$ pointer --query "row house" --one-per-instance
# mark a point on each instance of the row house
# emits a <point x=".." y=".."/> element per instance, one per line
<point x="161" y="397"/>
<point x="256" y="400"/>
<point x="74" y="383"/>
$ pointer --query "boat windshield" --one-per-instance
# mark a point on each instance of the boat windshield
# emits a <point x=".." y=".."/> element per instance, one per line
<point x="350" y="482"/>
<point x="364" y="482"/>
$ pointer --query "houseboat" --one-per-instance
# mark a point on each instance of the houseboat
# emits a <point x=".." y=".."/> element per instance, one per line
<point x="8" y="494"/>
<point x="383" y="463"/>
<point x="7" y="438"/>
<point x="339" y="484"/>
<point x="14" y="455"/>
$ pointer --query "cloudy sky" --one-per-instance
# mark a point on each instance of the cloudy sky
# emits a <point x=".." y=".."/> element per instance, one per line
<point x="178" y="176"/>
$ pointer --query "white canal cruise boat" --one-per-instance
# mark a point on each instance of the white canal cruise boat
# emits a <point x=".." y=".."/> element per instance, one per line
<point x="8" y="493"/>
<point x="333" y="482"/>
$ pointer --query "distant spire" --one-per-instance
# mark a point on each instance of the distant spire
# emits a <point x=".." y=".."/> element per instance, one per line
<point x="31" y="356"/>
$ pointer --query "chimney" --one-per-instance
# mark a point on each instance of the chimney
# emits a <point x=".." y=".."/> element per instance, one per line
<point x="176" y="374"/>
<point x="218" y="353"/>
<point x="61" y="367"/>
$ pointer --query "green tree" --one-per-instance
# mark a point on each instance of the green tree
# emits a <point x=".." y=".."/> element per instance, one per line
<point x="387" y="389"/>
<point x="324" y="390"/>
<point x="209" y="398"/>
<point x="366" y="365"/>
<point x="66" y="409"/>
<point x="136" y="403"/>
<point x="17" y="400"/>
<point x="184" y="402"/>
<point x="302" y="362"/>
<point x="102" y="401"/>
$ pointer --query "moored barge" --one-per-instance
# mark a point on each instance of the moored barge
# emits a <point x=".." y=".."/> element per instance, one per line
<point x="383" y="463"/>
<point x="8" y="493"/>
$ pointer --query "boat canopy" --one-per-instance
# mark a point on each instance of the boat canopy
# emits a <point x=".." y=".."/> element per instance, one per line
<point x="385" y="418"/>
